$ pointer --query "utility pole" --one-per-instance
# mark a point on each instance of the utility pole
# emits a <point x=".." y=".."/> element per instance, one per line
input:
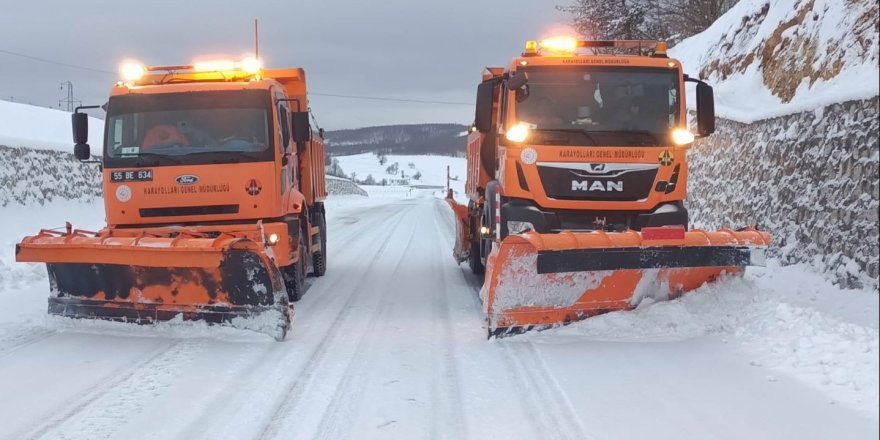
<point x="69" y="101"/>
<point x="449" y="179"/>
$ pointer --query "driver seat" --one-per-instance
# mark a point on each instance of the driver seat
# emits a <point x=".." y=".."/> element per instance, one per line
<point x="164" y="134"/>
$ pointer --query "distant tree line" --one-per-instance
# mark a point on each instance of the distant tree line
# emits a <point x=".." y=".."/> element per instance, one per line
<point x="416" y="139"/>
<point x="669" y="20"/>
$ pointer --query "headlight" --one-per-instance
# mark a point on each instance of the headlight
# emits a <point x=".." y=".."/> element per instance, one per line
<point x="273" y="239"/>
<point x="518" y="133"/>
<point x="519" y="227"/>
<point x="682" y="136"/>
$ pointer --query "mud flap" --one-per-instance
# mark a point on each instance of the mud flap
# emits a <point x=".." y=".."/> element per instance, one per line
<point x="537" y="281"/>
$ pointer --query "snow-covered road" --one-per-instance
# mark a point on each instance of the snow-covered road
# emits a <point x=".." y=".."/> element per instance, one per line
<point x="390" y="345"/>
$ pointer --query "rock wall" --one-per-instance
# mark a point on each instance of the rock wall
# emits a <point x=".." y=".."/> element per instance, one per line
<point x="344" y="187"/>
<point x="29" y="176"/>
<point x="809" y="178"/>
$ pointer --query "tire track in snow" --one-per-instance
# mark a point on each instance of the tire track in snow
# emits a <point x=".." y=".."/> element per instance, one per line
<point x="334" y="424"/>
<point x="105" y="414"/>
<point x="553" y="411"/>
<point x="531" y="374"/>
<point x="26" y="340"/>
<point x="449" y="415"/>
<point x="69" y="408"/>
<point x="292" y="395"/>
<point x="269" y="363"/>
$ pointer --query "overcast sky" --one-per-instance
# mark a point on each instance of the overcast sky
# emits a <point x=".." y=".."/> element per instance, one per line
<point x="408" y="49"/>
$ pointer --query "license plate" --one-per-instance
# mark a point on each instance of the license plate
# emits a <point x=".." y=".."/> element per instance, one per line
<point x="131" y="176"/>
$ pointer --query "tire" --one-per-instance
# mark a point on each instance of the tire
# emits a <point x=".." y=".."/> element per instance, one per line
<point x="485" y="244"/>
<point x="475" y="258"/>
<point x="295" y="276"/>
<point x="319" y="259"/>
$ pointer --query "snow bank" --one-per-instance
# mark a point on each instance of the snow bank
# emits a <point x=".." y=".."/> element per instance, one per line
<point x="768" y="58"/>
<point x="23" y="125"/>
<point x="17" y="221"/>
<point x="787" y="320"/>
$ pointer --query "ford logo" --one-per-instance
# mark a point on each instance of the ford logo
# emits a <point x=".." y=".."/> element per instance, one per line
<point x="187" y="179"/>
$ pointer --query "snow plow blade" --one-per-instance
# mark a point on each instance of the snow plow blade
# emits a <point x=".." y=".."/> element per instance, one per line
<point x="536" y="281"/>
<point x="144" y="278"/>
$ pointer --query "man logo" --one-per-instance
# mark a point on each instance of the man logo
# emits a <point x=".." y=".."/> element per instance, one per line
<point x="597" y="167"/>
<point x="187" y="179"/>
<point x="597" y="185"/>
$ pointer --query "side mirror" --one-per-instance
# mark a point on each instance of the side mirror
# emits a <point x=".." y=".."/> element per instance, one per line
<point x="82" y="152"/>
<point x="518" y="81"/>
<point x="705" y="109"/>
<point x="80" y="128"/>
<point x="302" y="131"/>
<point x="80" y="125"/>
<point x="483" y="116"/>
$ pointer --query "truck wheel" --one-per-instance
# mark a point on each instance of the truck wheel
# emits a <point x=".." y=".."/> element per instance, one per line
<point x="486" y="243"/>
<point x="319" y="259"/>
<point x="475" y="260"/>
<point x="295" y="275"/>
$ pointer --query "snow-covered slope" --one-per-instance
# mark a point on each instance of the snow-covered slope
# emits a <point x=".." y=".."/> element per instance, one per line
<point x="773" y="57"/>
<point x="430" y="169"/>
<point x="23" y="125"/>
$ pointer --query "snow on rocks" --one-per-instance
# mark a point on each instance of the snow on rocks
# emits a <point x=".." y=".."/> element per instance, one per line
<point x="786" y="56"/>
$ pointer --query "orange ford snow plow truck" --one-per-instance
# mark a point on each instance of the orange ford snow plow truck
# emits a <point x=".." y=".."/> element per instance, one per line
<point x="213" y="187"/>
<point x="577" y="173"/>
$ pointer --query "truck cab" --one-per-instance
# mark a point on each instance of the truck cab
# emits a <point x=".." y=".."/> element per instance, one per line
<point x="582" y="135"/>
<point x="186" y="148"/>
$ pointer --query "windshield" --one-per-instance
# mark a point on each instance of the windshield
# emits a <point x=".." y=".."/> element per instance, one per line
<point x="179" y="127"/>
<point x="642" y="103"/>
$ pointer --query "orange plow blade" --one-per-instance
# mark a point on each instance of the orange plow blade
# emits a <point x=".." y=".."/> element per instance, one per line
<point x="141" y="277"/>
<point x="543" y="280"/>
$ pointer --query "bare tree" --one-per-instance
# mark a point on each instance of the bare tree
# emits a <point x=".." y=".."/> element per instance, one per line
<point x="670" y="20"/>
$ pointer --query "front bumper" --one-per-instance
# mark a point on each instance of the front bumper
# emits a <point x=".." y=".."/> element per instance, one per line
<point x="549" y="221"/>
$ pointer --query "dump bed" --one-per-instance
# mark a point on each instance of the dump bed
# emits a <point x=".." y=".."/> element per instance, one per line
<point x="312" y="183"/>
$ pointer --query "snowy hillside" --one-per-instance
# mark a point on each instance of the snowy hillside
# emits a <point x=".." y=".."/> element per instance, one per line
<point x="23" y="125"/>
<point x="773" y="57"/>
<point x="430" y="170"/>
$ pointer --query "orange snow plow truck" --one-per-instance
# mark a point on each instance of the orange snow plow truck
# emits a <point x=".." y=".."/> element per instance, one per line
<point x="213" y="187"/>
<point x="576" y="178"/>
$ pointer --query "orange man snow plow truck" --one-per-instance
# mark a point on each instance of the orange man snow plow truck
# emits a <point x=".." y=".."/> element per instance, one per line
<point x="213" y="187"/>
<point x="576" y="178"/>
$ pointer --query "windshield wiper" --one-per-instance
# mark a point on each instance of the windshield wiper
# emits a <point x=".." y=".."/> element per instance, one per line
<point x="162" y="156"/>
<point x="643" y="133"/>
<point x="227" y="155"/>
<point x="586" y="133"/>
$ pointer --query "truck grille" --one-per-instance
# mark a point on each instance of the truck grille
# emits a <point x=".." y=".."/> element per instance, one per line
<point x="181" y="211"/>
<point x="601" y="181"/>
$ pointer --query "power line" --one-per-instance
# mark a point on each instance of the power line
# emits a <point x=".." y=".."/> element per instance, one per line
<point x="58" y="63"/>
<point x="329" y="95"/>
